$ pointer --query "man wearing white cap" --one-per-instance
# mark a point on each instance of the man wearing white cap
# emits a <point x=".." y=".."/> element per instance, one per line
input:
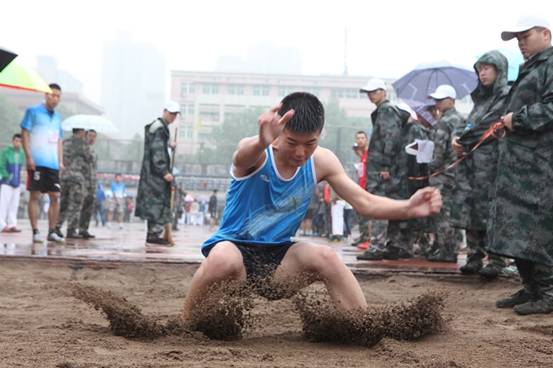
<point x="521" y="221"/>
<point x="449" y="124"/>
<point x="153" y="199"/>
<point x="382" y="145"/>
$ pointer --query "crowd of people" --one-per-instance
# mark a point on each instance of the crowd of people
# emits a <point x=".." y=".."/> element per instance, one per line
<point x="407" y="201"/>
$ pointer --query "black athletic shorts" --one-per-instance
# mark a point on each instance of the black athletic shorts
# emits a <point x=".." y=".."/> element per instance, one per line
<point x="261" y="262"/>
<point x="43" y="180"/>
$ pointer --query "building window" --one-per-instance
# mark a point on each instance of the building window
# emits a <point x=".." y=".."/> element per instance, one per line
<point x="186" y="88"/>
<point x="259" y="90"/>
<point x="210" y="89"/>
<point x="187" y="109"/>
<point x="209" y="112"/>
<point x="235" y="89"/>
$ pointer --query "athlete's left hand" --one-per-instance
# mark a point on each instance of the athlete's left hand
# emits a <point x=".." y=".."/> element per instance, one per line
<point x="425" y="202"/>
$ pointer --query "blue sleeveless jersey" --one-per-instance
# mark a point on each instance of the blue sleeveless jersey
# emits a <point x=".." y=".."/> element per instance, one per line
<point x="263" y="208"/>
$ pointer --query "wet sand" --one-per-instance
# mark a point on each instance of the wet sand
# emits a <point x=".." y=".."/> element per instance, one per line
<point x="43" y="324"/>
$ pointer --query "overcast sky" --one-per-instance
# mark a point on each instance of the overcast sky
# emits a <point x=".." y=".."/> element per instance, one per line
<point x="385" y="38"/>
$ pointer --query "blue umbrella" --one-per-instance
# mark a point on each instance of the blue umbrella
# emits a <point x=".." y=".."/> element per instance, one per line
<point x="423" y="80"/>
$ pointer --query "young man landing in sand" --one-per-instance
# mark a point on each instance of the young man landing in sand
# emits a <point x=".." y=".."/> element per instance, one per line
<point x="274" y="176"/>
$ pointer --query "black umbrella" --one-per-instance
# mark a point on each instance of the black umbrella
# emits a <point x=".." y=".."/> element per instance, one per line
<point x="6" y="57"/>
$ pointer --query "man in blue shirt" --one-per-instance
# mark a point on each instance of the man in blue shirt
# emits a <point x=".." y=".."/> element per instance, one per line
<point x="117" y="201"/>
<point x="274" y="176"/>
<point x="42" y="143"/>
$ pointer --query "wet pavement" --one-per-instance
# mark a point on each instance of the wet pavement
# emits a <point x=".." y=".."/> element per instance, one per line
<point x="128" y="245"/>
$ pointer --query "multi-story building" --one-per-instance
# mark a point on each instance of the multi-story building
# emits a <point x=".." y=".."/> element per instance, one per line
<point x="206" y="98"/>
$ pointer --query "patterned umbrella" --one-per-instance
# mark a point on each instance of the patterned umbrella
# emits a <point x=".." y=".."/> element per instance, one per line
<point x="15" y="75"/>
<point x="6" y="57"/>
<point x="423" y="80"/>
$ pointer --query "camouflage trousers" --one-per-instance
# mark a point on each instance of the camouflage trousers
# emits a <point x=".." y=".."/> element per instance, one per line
<point x="447" y="238"/>
<point x="88" y="208"/>
<point x="364" y="229"/>
<point x="536" y="277"/>
<point x="477" y="249"/>
<point x="378" y="233"/>
<point x="400" y="235"/>
<point x="71" y="203"/>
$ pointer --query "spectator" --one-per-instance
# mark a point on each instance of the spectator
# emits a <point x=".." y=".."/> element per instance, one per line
<point x="11" y="161"/>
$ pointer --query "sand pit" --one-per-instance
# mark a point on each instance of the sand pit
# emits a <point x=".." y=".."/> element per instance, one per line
<point x="42" y="324"/>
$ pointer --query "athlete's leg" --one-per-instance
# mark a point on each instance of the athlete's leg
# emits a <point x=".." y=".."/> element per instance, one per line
<point x="224" y="262"/>
<point x="321" y="263"/>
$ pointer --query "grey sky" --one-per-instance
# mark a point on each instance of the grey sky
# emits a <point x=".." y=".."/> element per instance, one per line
<point x="385" y="38"/>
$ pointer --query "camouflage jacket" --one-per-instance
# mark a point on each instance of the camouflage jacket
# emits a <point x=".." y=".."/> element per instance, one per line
<point x="521" y="217"/>
<point x="449" y="123"/>
<point x="383" y="145"/>
<point x="75" y="158"/>
<point x="475" y="174"/>
<point x="153" y="199"/>
<point x="90" y="177"/>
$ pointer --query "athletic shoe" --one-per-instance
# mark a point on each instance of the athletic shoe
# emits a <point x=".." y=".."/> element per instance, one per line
<point x="363" y="246"/>
<point x="53" y="237"/>
<point x="14" y="230"/>
<point x="72" y="234"/>
<point x="86" y="235"/>
<point x="58" y="232"/>
<point x="6" y="229"/>
<point x="37" y="238"/>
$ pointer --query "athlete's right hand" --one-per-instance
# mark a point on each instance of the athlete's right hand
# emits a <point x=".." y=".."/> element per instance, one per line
<point x="271" y="124"/>
<point x="31" y="165"/>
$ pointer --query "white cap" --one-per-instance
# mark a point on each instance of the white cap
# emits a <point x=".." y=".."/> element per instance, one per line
<point x="403" y="106"/>
<point x="524" y="24"/>
<point x="172" y="106"/>
<point x="444" y="91"/>
<point x="372" y="85"/>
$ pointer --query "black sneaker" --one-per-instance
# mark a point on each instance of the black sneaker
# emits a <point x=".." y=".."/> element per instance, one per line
<point x="157" y="240"/>
<point x="520" y="297"/>
<point x="86" y="235"/>
<point x="491" y="271"/>
<point x="371" y="255"/>
<point x="471" y="267"/>
<point x="72" y="234"/>
<point x="540" y="306"/>
<point x="58" y="232"/>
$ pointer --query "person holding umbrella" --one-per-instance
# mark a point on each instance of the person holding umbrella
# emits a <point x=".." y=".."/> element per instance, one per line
<point x="521" y="216"/>
<point x="477" y="171"/>
<point x="42" y="143"/>
<point x="153" y="199"/>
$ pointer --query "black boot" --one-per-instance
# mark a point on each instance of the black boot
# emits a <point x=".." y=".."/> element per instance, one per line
<point x="72" y="234"/>
<point x="86" y="235"/>
<point x="520" y="297"/>
<point x="155" y="239"/>
<point x="490" y="271"/>
<point x="473" y="265"/>
<point x="543" y="305"/>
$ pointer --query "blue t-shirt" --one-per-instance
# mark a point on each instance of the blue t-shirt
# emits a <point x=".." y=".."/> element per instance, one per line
<point x="45" y="132"/>
<point x="263" y="208"/>
<point x="118" y="189"/>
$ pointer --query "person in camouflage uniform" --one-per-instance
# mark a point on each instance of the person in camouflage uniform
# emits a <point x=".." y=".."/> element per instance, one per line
<point x="477" y="171"/>
<point x="447" y="126"/>
<point x="521" y="215"/>
<point x="76" y="153"/>
<point x="383" y="146"/>
<point x="90" y="187"/>
<point x="153" y="199"/>
<point x="402" y="235"/>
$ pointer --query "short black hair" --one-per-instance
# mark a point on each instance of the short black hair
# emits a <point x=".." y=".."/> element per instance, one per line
<point x="55" y="86"/>
<point x="309" y="113"/>
<point x="91" y="131"/>
<point x="362" y="132"/>
<point x="16" y="135"/>
<point x="77" y="130"/>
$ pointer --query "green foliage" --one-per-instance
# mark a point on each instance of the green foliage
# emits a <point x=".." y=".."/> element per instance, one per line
<point x="10" y="119"/>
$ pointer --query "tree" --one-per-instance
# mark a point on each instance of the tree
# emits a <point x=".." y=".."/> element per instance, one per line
<point x="10" y="120"/>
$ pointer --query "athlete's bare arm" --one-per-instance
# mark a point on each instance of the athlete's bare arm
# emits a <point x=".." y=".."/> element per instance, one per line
<point x="250" y="152"/>
<point x="424" y="202"/>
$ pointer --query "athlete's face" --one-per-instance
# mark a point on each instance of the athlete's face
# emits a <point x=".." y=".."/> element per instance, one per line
<point x="296" y="148"/>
